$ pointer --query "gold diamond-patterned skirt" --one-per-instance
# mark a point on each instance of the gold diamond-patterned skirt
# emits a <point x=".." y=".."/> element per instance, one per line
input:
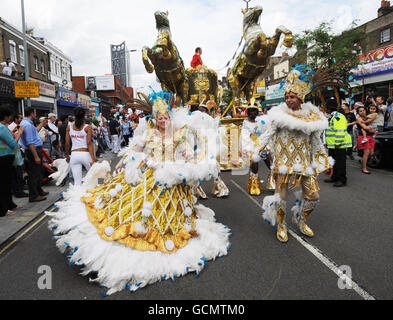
<point x="122" y="213"/>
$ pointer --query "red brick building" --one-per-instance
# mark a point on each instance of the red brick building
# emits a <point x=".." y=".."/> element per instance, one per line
<point x="121" y="94"/>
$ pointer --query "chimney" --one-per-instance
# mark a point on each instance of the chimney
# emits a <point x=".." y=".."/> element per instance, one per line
<point x="385" y="8"/>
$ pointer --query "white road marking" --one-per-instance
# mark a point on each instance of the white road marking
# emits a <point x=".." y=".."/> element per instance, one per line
<point x="318" y="254"/>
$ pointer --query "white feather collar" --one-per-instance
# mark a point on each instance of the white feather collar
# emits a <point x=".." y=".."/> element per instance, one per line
<point x="308" y="119"/>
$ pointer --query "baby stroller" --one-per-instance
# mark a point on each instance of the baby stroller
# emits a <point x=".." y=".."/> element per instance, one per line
<point x="47" y="169"/>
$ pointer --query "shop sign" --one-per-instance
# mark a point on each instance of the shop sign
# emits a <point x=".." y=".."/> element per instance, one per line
<point x="47" y="89"/>
<point x="67" y="98"/>
<point x="376" y="62"/>
<point x="259" y="88"/>
<point x="27" y="89"/>
<point x="274" y="92"/>
<point x="84" y="101"/>
<point x="94" y="111"/>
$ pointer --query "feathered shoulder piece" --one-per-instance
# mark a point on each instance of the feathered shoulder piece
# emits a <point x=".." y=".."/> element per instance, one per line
<point x="328" y="77"/>
<point x="141" y="103"/>
<point x="308" y="119"/>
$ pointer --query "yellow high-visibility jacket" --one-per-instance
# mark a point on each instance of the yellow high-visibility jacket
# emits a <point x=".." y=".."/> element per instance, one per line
<point x="337" y="134"/>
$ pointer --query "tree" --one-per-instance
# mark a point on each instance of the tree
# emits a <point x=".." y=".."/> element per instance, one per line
<point x="227" y="96"/>
<point x="29" y="30"/>
<point x="338" y="52"/>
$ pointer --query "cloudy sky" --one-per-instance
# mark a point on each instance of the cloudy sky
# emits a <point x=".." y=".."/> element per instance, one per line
<point x="85" y="29"/>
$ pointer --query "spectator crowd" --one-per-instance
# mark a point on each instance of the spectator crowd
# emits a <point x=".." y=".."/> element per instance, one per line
<point x="29" y="146"/>
<point x="363" y="123"/>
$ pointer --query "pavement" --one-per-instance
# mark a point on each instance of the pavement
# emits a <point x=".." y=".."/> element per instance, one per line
<point x="31" y="211"/>
<point x="352" y="227"/>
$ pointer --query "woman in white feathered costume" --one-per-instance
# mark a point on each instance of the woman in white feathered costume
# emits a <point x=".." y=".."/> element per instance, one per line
<point x="143" y="224"/>
<point x="294" y="136"/>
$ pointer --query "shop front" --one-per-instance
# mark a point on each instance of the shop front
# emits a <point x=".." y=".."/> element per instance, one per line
<point x="84" y="101"/>
<point x="94" y="108"/>
<point x="46" y="102"/>
<point x="374" y="75"/>
<point x="274" y="96"/>
<point x="105" y="106"/>
<point x="7" y="93"/>
<point x="67" y="101"/>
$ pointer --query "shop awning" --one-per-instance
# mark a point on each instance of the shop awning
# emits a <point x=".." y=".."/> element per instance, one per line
<point x="272" y="102"/>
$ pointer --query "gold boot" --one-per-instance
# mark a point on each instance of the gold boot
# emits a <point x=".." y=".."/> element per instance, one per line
<point x="254" y="186"/>
<point x="270" y="182"/>
<point x="282" y="234"/>
<point x="219" y="188"/>
<point x="199" y="193"/>
<point x="301" y="218"/>
<point x="303" y="227"/>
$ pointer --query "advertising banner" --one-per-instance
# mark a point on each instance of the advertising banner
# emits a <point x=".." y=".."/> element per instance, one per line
<point x="100" y="83"/>
<point x="67" y="98"/>
<point x="376" y="62"/>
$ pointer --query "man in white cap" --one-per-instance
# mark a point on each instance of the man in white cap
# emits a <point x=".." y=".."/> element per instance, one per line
<point x="53" y="130"/>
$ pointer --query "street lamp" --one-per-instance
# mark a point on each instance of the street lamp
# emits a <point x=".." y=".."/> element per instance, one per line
<point x="25" y="53"/>
<point x="247" y="1"/>
<point x="133" y="50"/>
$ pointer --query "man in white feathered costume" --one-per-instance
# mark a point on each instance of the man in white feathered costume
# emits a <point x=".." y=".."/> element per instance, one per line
<point x="219" y="188"/>
<point x="253" y="127"/>
<point x="294" y="136"/>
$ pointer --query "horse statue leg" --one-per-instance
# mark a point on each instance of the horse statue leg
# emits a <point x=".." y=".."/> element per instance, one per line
<point x="146" y="52"/>
<point x="273" y="41"/>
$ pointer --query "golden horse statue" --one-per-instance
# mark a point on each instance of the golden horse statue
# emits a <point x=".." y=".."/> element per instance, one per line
<point x="192" y="86"/>
<point x="252" y="61"/>
<point x="167" y="63"/>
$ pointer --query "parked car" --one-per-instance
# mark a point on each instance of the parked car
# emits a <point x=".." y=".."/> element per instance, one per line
<point x="383" y="151"/>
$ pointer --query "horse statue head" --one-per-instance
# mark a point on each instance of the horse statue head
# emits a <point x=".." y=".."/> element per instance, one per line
<point x="162" y="21"/>
<point x="251" y="18"/>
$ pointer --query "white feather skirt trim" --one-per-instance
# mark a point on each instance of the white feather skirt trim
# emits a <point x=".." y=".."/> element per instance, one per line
<point x="120" y="267"/>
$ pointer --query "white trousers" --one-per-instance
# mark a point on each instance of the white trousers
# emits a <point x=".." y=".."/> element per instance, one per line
<point x="115" y="143"/>
<point x="77" y="159"/>
<point x="108" y="142"/>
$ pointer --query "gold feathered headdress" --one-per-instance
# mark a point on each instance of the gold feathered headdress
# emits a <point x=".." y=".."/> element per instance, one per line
<point x="302" y="80"/>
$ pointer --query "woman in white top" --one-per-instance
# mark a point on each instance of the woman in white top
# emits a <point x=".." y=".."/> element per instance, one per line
<point x="82" y="153"/>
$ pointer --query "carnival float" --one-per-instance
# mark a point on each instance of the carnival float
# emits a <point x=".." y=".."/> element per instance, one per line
<point x="193" y="87"/>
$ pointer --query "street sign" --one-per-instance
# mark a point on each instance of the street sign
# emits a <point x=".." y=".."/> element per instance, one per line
<point x="27" y="89"/>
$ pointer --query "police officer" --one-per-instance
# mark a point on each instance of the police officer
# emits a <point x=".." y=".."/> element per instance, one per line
<point x="337" y="141"/>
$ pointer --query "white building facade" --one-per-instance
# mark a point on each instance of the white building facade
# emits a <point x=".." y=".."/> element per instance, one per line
<point x="60" y="65"/>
